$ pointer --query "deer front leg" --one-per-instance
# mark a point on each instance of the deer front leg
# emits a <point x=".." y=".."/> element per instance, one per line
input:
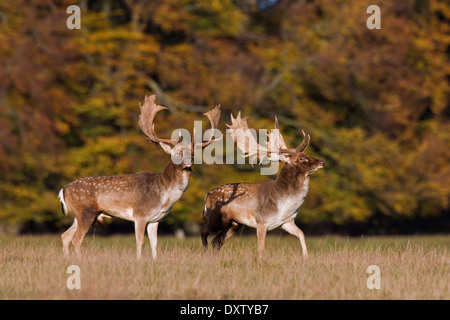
<point x="261" y="230"/>
<point x="291" y="227"/>
<point x="139" y="229"/>
<point x="152" y="231"/>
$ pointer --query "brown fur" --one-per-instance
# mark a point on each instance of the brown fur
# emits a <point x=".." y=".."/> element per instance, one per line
<point x="144" y="198"/>
<point x="263" y="205"/>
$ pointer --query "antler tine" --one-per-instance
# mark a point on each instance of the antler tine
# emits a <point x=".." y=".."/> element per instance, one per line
<point x="244" y="139"/>
<point x="214" y="117"/>
<point x="146" y="118"/>
<point x="304" y="144"/>
<point x="276" y="142"/>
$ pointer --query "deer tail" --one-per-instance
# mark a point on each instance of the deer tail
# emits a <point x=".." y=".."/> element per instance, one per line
<point x="64" y="207"/>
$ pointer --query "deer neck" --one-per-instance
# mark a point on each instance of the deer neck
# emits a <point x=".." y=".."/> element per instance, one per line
<point x="291" y="181"/>
<point x="174" y="176"/>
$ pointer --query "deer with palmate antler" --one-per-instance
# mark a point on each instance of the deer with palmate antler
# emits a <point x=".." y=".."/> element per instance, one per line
<point x="266" y="204"/>
<point x="144" y="198"/>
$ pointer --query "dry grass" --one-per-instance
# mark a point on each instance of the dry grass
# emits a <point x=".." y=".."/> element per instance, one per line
<point x="411" y="268"/>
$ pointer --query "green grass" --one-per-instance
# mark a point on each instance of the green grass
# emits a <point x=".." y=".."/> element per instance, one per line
<point x="33" y="267"/>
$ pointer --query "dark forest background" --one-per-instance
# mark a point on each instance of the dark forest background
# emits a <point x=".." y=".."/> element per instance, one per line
<point x="375" y="102"/>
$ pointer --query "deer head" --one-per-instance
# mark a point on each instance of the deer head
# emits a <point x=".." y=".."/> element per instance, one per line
<point x="182" y="154"/>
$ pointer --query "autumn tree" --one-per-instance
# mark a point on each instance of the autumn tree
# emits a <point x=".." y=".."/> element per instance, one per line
<point x="375" y="102"/>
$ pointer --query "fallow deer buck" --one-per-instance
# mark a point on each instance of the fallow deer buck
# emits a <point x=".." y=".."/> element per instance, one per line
<point x="266" y="204"/>
<point x="144" y="198"/>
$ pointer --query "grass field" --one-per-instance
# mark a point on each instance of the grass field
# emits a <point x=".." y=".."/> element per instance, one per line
<point x="33" y="267"/>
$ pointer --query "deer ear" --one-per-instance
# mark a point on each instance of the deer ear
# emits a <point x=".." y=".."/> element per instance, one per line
<point x="285" y="157"/>
<point x="168" y="149"/>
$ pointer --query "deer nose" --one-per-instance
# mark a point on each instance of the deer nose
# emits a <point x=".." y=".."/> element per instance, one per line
<point x="322" y="163"/>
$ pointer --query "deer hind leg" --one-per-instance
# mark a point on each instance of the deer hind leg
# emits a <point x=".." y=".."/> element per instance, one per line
<point x="67" y="237"/>
<point x="84" y="222"/>
<point x="204" y="233"/>
<point x="213" y="225"/>
<point x="224" y="235"/>
<point x="292" y="228"/>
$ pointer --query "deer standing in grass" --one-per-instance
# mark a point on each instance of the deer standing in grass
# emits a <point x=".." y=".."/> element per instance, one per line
<point x="266" y="204"/>
<point x="144" y="198"/>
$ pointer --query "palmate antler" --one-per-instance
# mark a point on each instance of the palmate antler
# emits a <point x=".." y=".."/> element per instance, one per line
<point x="146" y="118"/>
<point x="276" y="149"/>
<point x="213" y="116"/>
<point x="277" y="144"/>
<point x="244" y="139"/>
